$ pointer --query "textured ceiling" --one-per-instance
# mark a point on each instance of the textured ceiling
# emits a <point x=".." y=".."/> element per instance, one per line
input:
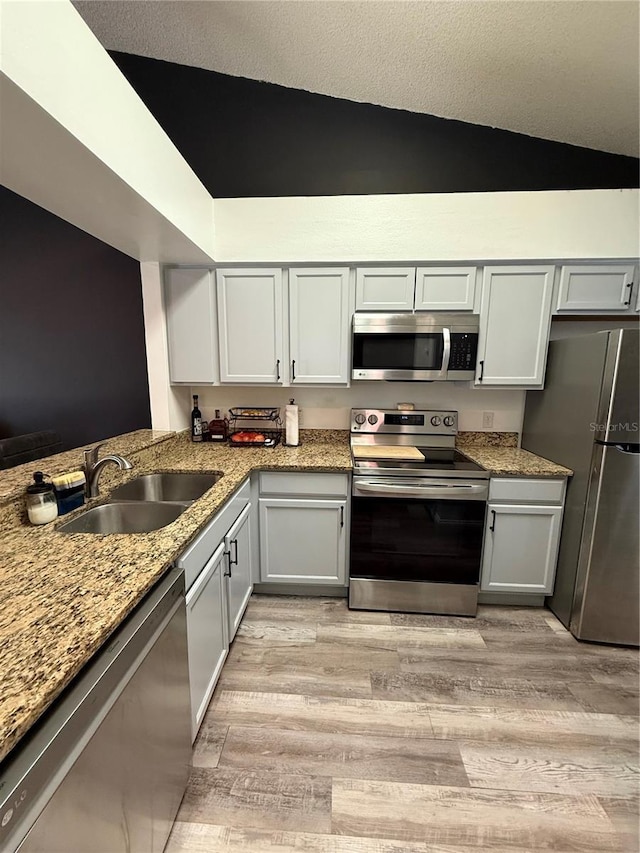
<point x="563" y="70"/>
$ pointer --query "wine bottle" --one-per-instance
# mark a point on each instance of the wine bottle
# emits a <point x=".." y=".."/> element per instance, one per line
<point x="196" y="421"/>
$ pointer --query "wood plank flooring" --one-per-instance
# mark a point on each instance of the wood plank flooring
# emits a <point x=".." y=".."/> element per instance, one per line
<point x="337" y="731"/>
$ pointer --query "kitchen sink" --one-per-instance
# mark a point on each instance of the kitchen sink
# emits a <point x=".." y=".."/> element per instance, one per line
<point x="183" y="487"/>
<point x="138" y="517"/>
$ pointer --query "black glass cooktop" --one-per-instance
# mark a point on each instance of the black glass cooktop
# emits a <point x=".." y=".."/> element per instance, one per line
<point x="440" y="459"/>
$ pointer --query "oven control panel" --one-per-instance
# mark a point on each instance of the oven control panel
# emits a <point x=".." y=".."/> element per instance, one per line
<point x="393" y="421"/>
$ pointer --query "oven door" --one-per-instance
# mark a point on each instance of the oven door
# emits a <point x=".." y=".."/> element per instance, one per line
<point x="417" y="533"/>
<point x="401" y="355"/>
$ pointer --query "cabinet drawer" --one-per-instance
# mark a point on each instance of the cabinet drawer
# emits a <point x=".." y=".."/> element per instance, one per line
<point x="200" y="550"/>
<point x="524" y="490"/>
<point x="303" y="484"/>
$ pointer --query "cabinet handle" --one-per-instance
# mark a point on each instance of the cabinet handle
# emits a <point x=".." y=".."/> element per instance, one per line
<point x="492" y="526"/>
<point x="227" y="554"/>
<point x="233" y="561"/>
<point x="293" y="370"/>
<point x="278" y="370"/>
<point x="341" y="516"/>
<point x="481" y="363"/>
<point x="629" y="286"/>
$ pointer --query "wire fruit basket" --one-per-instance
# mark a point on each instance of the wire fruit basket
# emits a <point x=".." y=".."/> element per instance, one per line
<point x="255" y="426"/>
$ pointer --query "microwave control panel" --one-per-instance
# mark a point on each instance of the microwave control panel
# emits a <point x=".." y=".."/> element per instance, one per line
<point x="464" y="349"/>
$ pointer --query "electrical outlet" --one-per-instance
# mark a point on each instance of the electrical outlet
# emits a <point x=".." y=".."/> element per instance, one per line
<point x="300" y="416"/>
<point x="487" y="420"/>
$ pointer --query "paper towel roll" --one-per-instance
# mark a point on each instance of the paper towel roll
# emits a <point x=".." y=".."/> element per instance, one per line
<point x="291" y="424"/>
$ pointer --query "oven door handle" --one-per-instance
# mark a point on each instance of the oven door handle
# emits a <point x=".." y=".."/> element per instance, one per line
<point x="419" y="491"/>
<point x="446" y="352"/>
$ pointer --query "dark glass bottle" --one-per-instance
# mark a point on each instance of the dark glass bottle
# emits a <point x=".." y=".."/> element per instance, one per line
<point x="196" y="421"/>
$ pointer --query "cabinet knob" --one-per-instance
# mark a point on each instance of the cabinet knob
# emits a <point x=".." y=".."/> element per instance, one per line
<point x="493" y="520"/>
<point x="481" y="363"/>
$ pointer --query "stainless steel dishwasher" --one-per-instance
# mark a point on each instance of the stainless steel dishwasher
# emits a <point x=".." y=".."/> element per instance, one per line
<point x="105" y="770"/>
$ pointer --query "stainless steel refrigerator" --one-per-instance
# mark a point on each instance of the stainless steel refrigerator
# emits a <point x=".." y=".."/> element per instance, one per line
<point x="587" y="418"/>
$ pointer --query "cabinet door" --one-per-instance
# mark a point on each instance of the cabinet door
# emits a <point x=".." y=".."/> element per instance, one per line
<point x="520" y="548"/>
<point x="190" y="311"/>
<point x="239" y="582"/>
<point x="206" y="635"/>
<point x="515" y="316"/>
<point x="303" y="541"/>
<point x="385" y="288"/>
<point x="445" y="288"/>
<point x="595" y="287"/>
<point x="250" y="325"/>
<point x="319" y="325"/>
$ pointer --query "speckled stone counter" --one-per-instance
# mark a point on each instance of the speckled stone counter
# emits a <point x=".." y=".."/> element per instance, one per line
<point x="15" y="480"/>
<point x="62" y="595"/>
<point x="513" y="462"/>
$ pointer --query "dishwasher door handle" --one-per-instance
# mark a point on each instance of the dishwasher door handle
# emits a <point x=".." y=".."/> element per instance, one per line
<point x="433" y="491"/>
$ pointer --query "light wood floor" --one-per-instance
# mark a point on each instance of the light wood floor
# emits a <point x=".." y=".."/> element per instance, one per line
<point x="337" y="731"/>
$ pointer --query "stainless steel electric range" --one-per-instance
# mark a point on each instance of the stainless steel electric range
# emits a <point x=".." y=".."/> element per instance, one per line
<point x="417" y="514"/>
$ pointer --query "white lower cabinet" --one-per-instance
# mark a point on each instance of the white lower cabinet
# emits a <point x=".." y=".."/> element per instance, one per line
<point x="520" y="548"/>
<point x="206" y="635"/>
<point x="238" y="579"/>
<point x="303" y="541"/>
<point x="217" y="566"/>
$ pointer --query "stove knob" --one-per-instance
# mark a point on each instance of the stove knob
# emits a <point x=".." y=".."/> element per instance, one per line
<point x="449" y="421"/>
<point x="436" y="421"/>
<point x="373" y="419"/>
<point x="359" y="418"/>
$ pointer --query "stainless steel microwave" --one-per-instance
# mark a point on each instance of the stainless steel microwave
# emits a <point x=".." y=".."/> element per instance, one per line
<point x="409" y="347"/>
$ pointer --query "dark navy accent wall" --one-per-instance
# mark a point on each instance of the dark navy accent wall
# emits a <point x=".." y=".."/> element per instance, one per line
<point x="72" y="347"/>
<point x="247" y="138"/>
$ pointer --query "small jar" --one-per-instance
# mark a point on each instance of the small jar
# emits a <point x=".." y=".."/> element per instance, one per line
<point x="42" y="506"/>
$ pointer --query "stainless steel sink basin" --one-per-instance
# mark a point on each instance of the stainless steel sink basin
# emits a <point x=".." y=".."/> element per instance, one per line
<point x="182" y="487"/>
<point x="140" y="517"/>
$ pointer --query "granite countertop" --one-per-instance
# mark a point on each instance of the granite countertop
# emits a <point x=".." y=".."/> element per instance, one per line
<point x="62" y="595"/>
<point x="513" y="462"/>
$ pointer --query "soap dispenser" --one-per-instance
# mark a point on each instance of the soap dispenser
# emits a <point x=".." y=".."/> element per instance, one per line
<point x="42" y="506"/>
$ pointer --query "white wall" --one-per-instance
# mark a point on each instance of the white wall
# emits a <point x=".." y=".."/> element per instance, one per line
<point x="328" y="408"/>
<point x="553" y="225"/>
<point x="77" y="140"/>
<point x="170" y="405"/>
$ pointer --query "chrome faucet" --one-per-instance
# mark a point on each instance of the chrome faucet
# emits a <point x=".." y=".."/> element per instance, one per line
<point x="93" y="467"/>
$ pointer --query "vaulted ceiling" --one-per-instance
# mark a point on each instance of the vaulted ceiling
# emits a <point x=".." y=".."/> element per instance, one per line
<point x="565" y="70"/>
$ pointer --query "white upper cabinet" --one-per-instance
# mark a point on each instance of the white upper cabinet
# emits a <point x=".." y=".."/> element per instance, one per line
<point x="515" y="316"/>
<point x="319" y="326"/>
<point x="445" y="288"/>
<point x="191" y="315"/>
<point x="385" y="288"/>
<point x="595" y="287"/>
<point x="250" y="325"/>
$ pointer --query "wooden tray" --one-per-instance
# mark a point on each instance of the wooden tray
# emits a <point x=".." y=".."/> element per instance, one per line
<point x="383" y="451"/>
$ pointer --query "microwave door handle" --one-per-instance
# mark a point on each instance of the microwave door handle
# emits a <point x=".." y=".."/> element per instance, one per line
<point x="418" y="491"/>
<point x="446" y="352"/>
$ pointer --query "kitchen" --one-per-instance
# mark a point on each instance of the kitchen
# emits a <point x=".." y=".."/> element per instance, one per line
<point x="592" y="241"/>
